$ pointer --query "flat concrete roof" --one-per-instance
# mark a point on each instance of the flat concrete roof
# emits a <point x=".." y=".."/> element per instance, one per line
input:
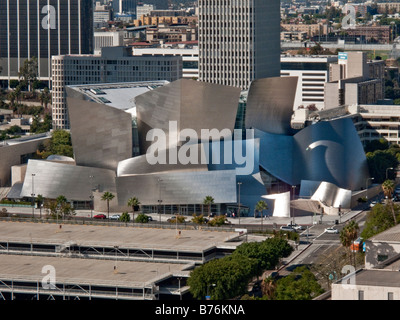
<point x="110" y="236"/>
<point x="390" y="235"/>
<point x="380" y="278"/>
<point x="131" y="274"/>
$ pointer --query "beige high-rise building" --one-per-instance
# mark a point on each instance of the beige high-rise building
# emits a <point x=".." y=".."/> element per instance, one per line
<point x="354" y="80"/>
<point x="239" y="41"/>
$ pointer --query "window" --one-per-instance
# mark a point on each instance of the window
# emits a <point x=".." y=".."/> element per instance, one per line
<point x="360" y="295"/>
<point x="390" y="295"/>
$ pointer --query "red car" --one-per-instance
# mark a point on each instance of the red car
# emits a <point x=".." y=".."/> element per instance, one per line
<point x="100" y="216"/>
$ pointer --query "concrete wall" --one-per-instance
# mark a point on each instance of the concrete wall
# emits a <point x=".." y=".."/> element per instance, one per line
<point x="351" y="292"/>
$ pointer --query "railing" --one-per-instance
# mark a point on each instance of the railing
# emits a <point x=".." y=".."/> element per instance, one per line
<point x="77" y="287"/>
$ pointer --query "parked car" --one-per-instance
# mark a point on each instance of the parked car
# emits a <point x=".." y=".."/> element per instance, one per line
<point x="331" y="230"/>
<point x="373" y="203"/>
<point x="295" y="226"/>
<point x="287" y="228"/>
<point x="149" y="218"/>
<point x="115" y="217"/>
<point x="100" y="216"/>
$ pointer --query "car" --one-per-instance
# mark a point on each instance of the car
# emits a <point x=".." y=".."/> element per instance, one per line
<point x="295" y="226"/>
<point x="373" y="203"/>
<point x="149" y="218"/>
<point x="172" y="219"/>
<point x="331" y="230"/>
<point x="287" y="228"/>
<point x="115" y="217"/>
<point x="100" y="216"/>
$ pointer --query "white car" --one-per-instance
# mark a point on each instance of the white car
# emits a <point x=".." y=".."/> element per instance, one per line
<point x="295" y="226"/>
<point x="115" y="217"/>
<point x="287" y="228"/>
<point x="331" y="230"/>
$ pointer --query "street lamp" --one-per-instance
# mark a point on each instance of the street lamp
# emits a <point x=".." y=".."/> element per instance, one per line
<point x="33" y="196"/>
<point x="91" y="205"/>
<point x="366" y="187"/>
<point x="239" y="183"/>
<point x="387" y="172"/>
<point x="91" y="196"/>
<point x="159" y="198"/>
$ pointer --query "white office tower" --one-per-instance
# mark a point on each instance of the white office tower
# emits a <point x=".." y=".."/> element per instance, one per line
<point x="239" y="41"/>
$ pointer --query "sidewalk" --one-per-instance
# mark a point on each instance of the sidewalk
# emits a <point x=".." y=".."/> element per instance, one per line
<point x="301" y="220"/>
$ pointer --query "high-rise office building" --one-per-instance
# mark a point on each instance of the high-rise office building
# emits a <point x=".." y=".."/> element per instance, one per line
<point x="114" y="65"/>
<point x="239" y="41"/>
<point x="41" y="29"/>
<point x="121" y="6"/>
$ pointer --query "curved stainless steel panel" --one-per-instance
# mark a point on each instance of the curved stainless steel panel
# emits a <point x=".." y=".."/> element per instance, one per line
<point x="74" y="182"/>
<point x="192" y="104"/>
<point x="276" y="155"/>
<point x="270" y="104"/>
<point x="330" y="195"/>
<point x="140" y="165"/>
<point x="281" y="204"/>
<point x="101" y="135"/>
<point x="330" y="151"/>
<point x="178" y="187"/>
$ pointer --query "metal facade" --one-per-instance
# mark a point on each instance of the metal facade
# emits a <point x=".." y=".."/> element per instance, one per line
<point x="101" y="135"/>
<point x="52" y="179"/>
<point x="191" y="104"/>
<point x="178" y="187"/>
<point x="270" y="104"/>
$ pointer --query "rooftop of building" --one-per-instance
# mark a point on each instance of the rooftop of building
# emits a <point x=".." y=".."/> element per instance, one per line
<point x="390" y="235"/>
<point x="27" y="138"/>
<point x="118" y="94"/>
<point x="310" y="58"/>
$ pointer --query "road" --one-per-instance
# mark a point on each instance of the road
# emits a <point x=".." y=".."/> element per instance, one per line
<point x="320" y="242"/>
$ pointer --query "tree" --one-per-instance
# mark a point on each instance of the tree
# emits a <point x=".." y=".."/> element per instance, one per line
<point x="378" y="161"/>
<point x="260" y="206"/>
<point x="228" y="277"/>
<point x="40" y="201"/>
<point x="107" y="196"/>
<point x="378" y="220"/>
<point x="39" y="126"/>
<point x="12" y="97"/>
<point x="142" y="218"/>
<point x="29" y="71"/>
<point x="199" y="219"/>
<point x="388" y="187"/>
<point x="125" y="217"/>
<point x="217" y="221"/>
<point x="301" y="284"/>
<point x="133" y="202"/>
<point x="267" y="253"/>
<point x="59" y="143"/>
<point x="208" y="201"/>
<point x="221" y="279"/>
<point x="60" y="207"/>
<point x="348" y="234"/>
<point x="45" y="97"/>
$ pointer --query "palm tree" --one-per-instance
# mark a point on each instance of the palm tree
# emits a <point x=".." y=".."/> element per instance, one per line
<point x="348" y="234"/>
<point x="45" y="97"/>
<point x="260" y="206"/>
<point x="107" y="196"/>
<point x="133" y="202"/>
<point x="208" y="201"/>
<point x="40" y="201"/>
<point x="388" y="189"/>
